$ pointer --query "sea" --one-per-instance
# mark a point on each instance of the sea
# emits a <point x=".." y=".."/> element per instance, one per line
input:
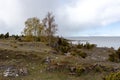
<point x="99" y="41"/>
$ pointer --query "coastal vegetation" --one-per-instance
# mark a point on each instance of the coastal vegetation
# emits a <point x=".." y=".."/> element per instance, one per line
<point x="115" y="56"/>
<point x="38" y="54"/>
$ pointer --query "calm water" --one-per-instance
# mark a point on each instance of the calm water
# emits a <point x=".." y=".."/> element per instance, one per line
<point x="100" y="41"/>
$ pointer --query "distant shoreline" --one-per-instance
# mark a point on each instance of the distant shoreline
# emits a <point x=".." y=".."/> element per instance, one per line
<point x="99" y="41"/>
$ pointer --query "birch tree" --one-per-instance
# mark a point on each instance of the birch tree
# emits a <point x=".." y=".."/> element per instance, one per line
<point x="33" y="27"/>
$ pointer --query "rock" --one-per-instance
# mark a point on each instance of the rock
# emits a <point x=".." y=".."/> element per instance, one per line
<point x="48" y="60"/>
<point x="72" y="69"/>
<point x="2" y="67"/>
<point x="10" y="72"/>
<point x="56" y="57"/>
<point x="15" y="72"/>
<point x="51" y="68"/>
<point x="67" y="54"/>
<point x="72" y="73"/>
<point x="23" y="71"/>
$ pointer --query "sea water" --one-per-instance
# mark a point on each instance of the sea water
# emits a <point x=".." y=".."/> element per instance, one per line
<point x="99" y="41"/>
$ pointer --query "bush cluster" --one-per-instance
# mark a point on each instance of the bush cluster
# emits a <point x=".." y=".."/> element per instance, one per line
<point x="115" y="56"/>
<point x="79" y="53"/>
<point x="16" y="37"/>
<point x="4" y="35"/>
<point x="86" y="46"/>
<point x="89" y="46"/>
<point x="62" y="45"/>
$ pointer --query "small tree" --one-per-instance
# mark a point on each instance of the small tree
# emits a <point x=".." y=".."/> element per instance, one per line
<point x="50" y="26"/>
<point x="7" y="35"/>
<point x="1" y="36"/>
<point x="33" y="28"/>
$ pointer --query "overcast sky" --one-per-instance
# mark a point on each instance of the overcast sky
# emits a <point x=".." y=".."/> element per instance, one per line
<point x="74" y="17"/>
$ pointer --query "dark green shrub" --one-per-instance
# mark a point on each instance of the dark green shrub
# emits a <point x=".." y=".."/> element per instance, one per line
<point x="62" y="45"/>
<point x="80" y="46"/>
<point x="64" y="49"/>
<point x="6" y="35"/>
<point x="118" y="53"/>
<point x="89" y="46"/>
<point x="1" y="36"/>
<point x="62" y="42"/>
<point x="79" y="53"/>
<point x="115" y="56"/>
<point x="82" y="54"/>
<point x="15" y="37"/>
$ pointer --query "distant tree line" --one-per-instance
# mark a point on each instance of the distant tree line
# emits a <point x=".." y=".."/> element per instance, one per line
<point x="4" y="35"/>
<point x="7" y="36"/>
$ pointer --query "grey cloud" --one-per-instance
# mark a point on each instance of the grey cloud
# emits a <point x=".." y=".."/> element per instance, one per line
<point x="66" y="14"/>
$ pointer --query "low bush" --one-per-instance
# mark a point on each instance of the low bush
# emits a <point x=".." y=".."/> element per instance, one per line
<point x="89" y="46"/>
<point x="4" y="35"/>
<point x="79" y="70"/>
<point x="62" y="45"/>
<point x="82" y="54"/>
<point x="113" y="76"/>
<point x="79" y="46"/>
<point x="1" y="36"/>
<point x="115" y="56"/>
<point x="79" y="53"/>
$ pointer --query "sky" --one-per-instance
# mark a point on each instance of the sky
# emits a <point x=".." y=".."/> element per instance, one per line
<point x="74" y="17"/>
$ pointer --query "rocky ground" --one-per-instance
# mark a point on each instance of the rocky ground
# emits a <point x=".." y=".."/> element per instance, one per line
<point x="37" y="61"/>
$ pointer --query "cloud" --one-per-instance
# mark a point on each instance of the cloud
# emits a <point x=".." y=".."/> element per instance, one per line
<point x="93" y="11"/>
<point x="10" y="16"/>
<point x="90" y="13"/>
<point x="72" y="16"/>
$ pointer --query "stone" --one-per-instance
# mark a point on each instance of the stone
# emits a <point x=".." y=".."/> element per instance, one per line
<point x="23" y="71"/>
<point x="15" y="72"/>
<point x="72" y="69"/>
<point x="10" y="72"/>
<point x="67" y="54"/>
<point x="47" y="60"/>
